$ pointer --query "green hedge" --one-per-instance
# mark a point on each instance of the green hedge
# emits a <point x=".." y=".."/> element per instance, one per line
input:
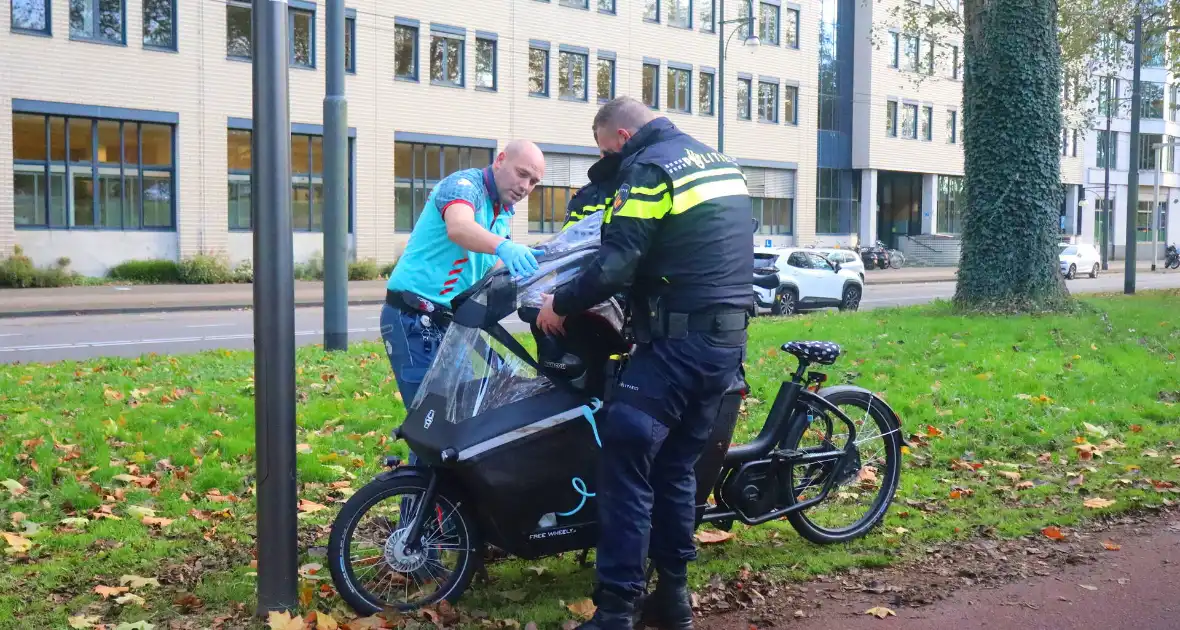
<point x="156" y="271"/>
<point x="18" y="271"/>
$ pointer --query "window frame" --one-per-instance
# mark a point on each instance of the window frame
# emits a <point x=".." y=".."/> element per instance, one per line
<point x="655" y="90"/>
<point x="679" y="69"/>
<point x="767" y="228"/>
<point x="748" y="82"/>
<point x="295" y="7"/>
<point x="584" y="6"/>
<point x="895" y="50"/>
<point x="711" y="110"/>
<point x="906" y="107"/>
<point x="571" y="53"/>
<point x="494" y="40"/>
<point x="774" y="84"/>
<point x="709" y="26"/>
<point x="20" y="30"/>
<point x="795" y="13"/>
<point x="776" y="38"/>
<point x="350" y="33"/>
<point x="415" y="30"/>
<point x="613" y="10"/>
<point x="649" y="20"/>
<point x="688" y="10"/>
<point x="68" y="167"/>
<point x="444" y="35"/>
<point x="552" y="221"/>
<point x="793" y="89"/>
<point x="952" y="123"/>
<point x="175" y="47"/>
<point x="892" y="118"/>
<point x="96" y="16"/>
<point x="926" y="123"/>
<point x="417" y="179"/>
<point x="542" y="47"/>
<point x="612" y="60"/>
<point x="246" y="6"/>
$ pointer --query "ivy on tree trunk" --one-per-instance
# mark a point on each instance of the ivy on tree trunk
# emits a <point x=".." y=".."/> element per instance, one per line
<point x="1012" y="147"/>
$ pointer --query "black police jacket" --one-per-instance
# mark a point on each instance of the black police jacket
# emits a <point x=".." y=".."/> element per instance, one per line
<point x="678" y="227"/>
<point x="598" y="194"/>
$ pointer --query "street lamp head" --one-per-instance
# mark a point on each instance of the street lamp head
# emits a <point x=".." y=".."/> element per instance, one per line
<point x="752" y="42"/>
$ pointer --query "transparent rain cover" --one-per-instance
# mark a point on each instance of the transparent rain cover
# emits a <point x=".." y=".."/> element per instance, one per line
<point x="474" y="372"/>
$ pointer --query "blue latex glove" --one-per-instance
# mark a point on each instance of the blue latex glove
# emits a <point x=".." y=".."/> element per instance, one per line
<point x="520" y="260"/>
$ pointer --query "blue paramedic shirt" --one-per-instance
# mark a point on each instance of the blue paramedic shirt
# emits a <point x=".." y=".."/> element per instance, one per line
<point x="434" y="267"/>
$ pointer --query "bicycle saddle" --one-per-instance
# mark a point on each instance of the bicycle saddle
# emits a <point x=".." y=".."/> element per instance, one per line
<point x="817" y="352"/>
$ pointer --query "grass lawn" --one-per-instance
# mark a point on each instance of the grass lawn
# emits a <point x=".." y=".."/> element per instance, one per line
<point x="113" y="470"/>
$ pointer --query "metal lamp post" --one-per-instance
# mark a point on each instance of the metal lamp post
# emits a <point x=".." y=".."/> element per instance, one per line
<point x="723" y="43"/>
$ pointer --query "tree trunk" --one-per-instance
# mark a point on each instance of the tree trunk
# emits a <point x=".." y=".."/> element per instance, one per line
<point x="1012" y="146"/>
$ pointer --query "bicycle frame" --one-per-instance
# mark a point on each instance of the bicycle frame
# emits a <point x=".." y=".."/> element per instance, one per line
<point x="787" y="412"/>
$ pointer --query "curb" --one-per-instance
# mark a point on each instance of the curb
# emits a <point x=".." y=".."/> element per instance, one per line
<point x="131" y="310"/>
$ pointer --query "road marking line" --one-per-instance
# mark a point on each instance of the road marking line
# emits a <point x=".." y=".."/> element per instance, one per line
<point x="210" y="325"/>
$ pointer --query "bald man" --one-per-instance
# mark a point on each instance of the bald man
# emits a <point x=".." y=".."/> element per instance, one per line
<point x="462" y="233"/>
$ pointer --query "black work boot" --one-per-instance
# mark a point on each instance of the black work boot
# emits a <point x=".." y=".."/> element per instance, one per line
<point x="669" y="607"/>
<point x="614" y="612"/>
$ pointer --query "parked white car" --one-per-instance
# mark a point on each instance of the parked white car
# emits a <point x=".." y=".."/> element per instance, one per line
<point x="1078" y="258"/>
<point x="846" y="258"/>
<point x="807" y="281"/>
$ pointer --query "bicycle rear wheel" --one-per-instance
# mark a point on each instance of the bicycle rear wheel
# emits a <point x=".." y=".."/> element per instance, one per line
<point x="862" y="490"/>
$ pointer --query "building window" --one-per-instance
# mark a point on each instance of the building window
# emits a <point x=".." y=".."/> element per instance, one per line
<point x="1175" y="103"/>
<point x="791" y="28"/>
<point x="237" y="30"/>
<point x="705" y="93"/>
<point x="350" y="44"/>
<point x="418" y="167"/>
<point x="538" y="72"/>
<point x="446" y="59"/>
<point x="159" y="24"/>
<point x="746" y="15"/>
<point x="911" y="53"/>
<point x="743" y="99"/>
<point x="891" y="119"/>
<point x="1108" y="92"/>
<point x="1154" y="46"/>
<point x="775" y="216"/>
<point x="1147" y="151"/>
<point x="928" y="58"/>
<point x="954" y="58"/>
<point x="571" y="75"/>
<point x="1108" y="142"/>
<point x="31" y="16"/>
<point x="791" y="104"/>
<point x="605" y="79"/>
<point x="651" y="10"/>
<point x="1069" y="142"/>
<point x="951" y="201"/>
<point x="98" y="20"/>
<point x="927" y="123"/>
<point x="576" y="4"/>
<point x="651" y="85"/>
<point x="909" y="121"/>
<point x="1143" y="223"/>
<point x="92" y="173"/>
<point x="767" y="102"/>
<point x="485" y="64"/>
<point x="301" y="24"/>
<point x="679" y="90"/>
<point x="1152" y="105"/>
<point x="307" y="182"/>
<point x="606" y="6"/>
<point x="952" y="126"/>
<point x="680" y="13"/>
<point x="837" y="198"/>
<point x="894" y="49"/>
<point x="768" y="23"/>
<point x="705" y="15"/>
<point x="547" y="206"/>
<point x="405" y="52"/>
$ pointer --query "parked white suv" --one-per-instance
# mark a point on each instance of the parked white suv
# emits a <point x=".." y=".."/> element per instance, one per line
<point x="1079" y="257"/>
<point x="807" y="281"/>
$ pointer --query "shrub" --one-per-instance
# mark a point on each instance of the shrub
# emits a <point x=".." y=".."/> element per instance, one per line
<point x="313" y="269"/>
<point x="363" y="270"/>
<point x="387" y="269"/>
<point x="244" y="272"/>
<point x="205" y="269"/>
<point x="18" y="271"/>
<point x="156" y="271"/>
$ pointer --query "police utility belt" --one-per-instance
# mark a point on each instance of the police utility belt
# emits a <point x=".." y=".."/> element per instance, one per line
<point x="657" y="322"/>
<point x="414" y="304"/>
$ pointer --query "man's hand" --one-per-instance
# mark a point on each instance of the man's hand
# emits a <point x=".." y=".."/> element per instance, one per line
<point x="548" y="321"/>
<point x="519" y="260"/>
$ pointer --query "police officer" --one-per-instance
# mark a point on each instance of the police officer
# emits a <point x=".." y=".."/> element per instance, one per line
<point x="676" y="237"/>
<point x="461" y="234"/>
<point x="598" y="194"/>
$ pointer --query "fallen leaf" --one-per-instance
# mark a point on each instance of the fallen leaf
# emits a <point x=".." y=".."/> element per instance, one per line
<point x="1088" y="587"/>
<point x="933" y="431"/>
<point x="1150" y="453"/>
<point x="83" y="622"/>
<point x="584" y="609"/>
<point x="1053" y="533"/>
<point x="867" y="474"/>
<point x="1136" y="428"/>
<point x="111" y="394"/>
<point x="1098" y="502"/>
<point x="1011" y="476"/>
<point x="140" y="511"/>
<point x="283" y="621"/>
<point x="130" y="598"/>
<point x="1094" y="430"/>
<point x="1111" y="545"/>
<point x="537" y="570"/>
<point x="108" y="591"/>
<point x="713" y="536"/>
<point x="14" y="487"/>
<point x="307" y="507"/>
<point x="303" y="448"/>
<point x="138" y="625"/>
<point x="1024" y="485"/>
<point x="16" y="544"/>
<point x="324" y="621"/>
<point x="155" y="521"/>
<point x="75" y="522"/>
<point x="135" y="581"/>
<point x="880" y="612"/>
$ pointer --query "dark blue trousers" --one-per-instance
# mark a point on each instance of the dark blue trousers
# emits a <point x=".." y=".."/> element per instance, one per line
<point x="656" y="426"/>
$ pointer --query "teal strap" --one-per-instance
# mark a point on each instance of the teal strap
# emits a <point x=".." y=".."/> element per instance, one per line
<point x="588" y="412"/>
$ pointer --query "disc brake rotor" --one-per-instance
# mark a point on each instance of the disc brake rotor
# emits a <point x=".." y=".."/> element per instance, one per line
<point x="396" y="555"/>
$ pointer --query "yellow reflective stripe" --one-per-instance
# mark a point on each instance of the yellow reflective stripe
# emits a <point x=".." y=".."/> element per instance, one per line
<point x="643" y="209"/>
<point x="697" y="195"/>
<point x="706" y="173"/>
<point x="657" y="190"/>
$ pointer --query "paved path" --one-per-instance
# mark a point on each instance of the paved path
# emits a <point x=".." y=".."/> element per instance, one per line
<point x="55" y="338"/>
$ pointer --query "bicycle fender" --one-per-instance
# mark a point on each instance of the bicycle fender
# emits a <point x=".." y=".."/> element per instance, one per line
<point x="876" y="400"/>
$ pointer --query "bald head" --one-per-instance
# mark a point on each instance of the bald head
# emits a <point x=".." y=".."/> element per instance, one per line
<point x="618" y="120"/>
<point x="518" y="169"/>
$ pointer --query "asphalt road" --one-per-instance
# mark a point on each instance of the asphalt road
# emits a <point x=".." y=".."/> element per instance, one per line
<point x="45" y="339"/>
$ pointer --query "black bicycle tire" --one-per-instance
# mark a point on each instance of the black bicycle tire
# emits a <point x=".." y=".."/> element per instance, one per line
<point x="892" y="477"/>
<point x="340" y="566"/>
